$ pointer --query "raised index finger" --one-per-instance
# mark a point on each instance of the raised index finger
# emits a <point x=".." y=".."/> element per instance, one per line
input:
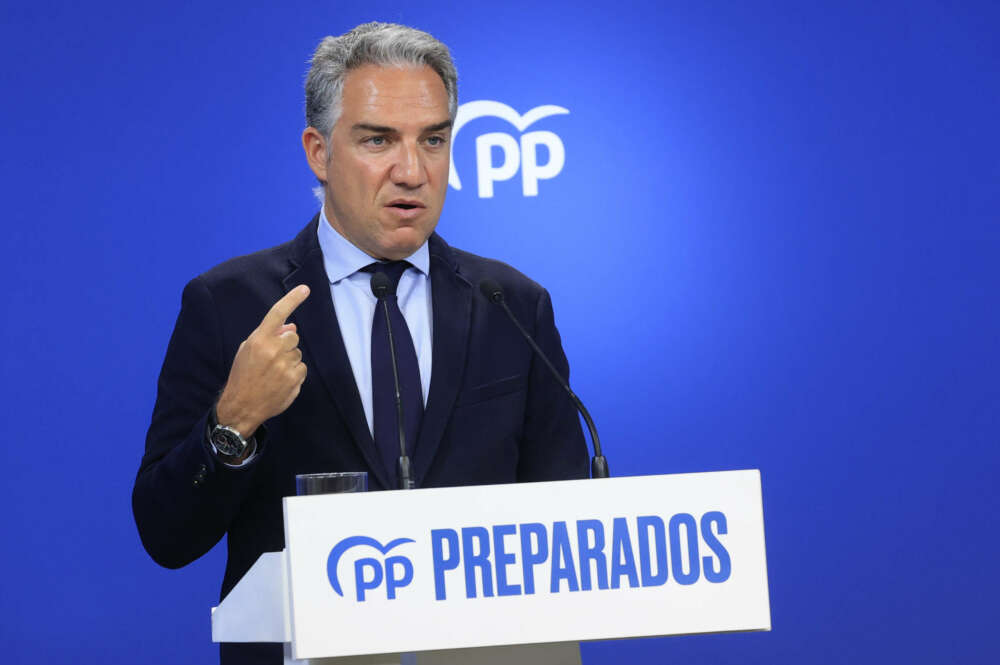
<point x="282" y="309"/>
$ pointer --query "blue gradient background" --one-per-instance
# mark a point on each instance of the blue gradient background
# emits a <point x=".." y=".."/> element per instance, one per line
<point x="774" y="245"/>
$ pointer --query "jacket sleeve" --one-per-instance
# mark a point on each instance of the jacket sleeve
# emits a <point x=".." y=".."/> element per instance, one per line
<point x="553" y="447"/>
<point x="183" y="499"/>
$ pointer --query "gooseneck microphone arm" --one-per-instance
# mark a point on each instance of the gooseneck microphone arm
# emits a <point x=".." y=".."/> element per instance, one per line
<point x="381" y="289"/>
<point x="598" y="465"/>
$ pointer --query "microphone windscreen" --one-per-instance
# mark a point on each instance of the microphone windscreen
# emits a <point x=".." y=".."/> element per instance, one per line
<point x="380" y="285"/>
<point x="491" y="290"/>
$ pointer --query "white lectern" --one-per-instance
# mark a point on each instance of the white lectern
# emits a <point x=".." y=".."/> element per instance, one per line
<point x="506" y="573"/>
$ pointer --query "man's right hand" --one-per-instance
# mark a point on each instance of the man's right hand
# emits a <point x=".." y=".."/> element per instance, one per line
<point x="267" y="371"/>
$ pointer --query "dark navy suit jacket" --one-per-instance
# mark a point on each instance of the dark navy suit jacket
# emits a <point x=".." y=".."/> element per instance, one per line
<point x="494" y="414"/>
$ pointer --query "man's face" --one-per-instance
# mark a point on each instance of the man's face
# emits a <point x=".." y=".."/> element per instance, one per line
<point x="387" y="171"/>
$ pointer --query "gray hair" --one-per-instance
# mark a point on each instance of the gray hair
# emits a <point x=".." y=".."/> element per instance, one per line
<point x="385" y="44"/>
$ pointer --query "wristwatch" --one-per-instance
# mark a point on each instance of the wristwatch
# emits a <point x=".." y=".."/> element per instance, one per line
<point x="224" y="439"/>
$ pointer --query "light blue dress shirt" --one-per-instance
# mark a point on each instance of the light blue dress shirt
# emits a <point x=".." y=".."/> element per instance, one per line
<point x="354" y="306"/>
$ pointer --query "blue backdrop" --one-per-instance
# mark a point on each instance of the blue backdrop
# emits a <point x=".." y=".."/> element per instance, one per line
<point x="773" y="244"/>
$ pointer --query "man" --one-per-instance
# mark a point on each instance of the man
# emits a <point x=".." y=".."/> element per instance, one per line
<point x="274" y="366"/>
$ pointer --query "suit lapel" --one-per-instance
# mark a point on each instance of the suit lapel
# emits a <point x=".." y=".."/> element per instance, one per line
<point x="319" y="335"/>
<point x="452" y="312"/>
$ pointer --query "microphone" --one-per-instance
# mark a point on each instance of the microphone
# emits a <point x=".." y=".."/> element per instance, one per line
<point x="492" y="291"/>
<point x="381" y="289"/>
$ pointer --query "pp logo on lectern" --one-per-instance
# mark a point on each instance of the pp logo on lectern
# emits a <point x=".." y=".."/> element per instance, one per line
<point x="517" y="154"/>
<point x="369" y="572"/>
<point x="528" y="558"/>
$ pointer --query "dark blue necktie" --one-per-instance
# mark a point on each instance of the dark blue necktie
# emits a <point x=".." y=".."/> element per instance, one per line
<point x="383" y="386"/>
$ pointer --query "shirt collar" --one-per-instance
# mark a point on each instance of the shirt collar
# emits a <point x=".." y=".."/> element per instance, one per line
<point x="342" y="259"/>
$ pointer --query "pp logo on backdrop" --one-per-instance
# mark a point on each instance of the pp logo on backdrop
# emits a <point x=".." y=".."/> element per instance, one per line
<point x="370" y="572"/>
<point x="517" y="153"/>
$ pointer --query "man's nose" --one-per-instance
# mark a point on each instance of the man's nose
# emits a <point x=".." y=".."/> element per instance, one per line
<point x="408" y="171"/>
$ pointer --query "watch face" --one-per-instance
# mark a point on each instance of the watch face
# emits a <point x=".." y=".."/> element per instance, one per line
<point x="227" y="442"/>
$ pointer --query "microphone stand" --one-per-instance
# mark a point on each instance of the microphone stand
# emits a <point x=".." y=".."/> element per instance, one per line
<point x="598" y="464"/>
<point x="380" y="288"/>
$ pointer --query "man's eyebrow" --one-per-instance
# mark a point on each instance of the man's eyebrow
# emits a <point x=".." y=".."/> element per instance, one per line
<point x="438" y="127"/>
<point x="373" y="128"/>
<point x="382" y="129"/>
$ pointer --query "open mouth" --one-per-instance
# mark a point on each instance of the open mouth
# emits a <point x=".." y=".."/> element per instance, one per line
<point x="405" y="204"/>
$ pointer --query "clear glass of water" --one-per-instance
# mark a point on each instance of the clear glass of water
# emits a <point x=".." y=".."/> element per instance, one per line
<point x="331" y="483"/>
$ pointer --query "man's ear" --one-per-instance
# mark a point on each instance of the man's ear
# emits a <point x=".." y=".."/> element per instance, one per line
<point x="315" y="146"/>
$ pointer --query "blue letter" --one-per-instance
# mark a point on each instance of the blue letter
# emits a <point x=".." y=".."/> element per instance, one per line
<point x="562" y="559"/>
<point x="677" y="563"/>
<point x="722" y="574"/>
<point x="359" y="575"/>
<point x="531" y="557"/>
<point x="480" y="560"/>
<point x="438" y="536"/>
<point x="503" y="559"/>
<point x="660" y="540"/>
<point x="590" y="553"/>
<point x="622" y="559"/>
<point x="391" y="581"/>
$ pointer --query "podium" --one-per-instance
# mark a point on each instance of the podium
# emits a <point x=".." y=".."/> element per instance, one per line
<point x="506" y="573"/>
